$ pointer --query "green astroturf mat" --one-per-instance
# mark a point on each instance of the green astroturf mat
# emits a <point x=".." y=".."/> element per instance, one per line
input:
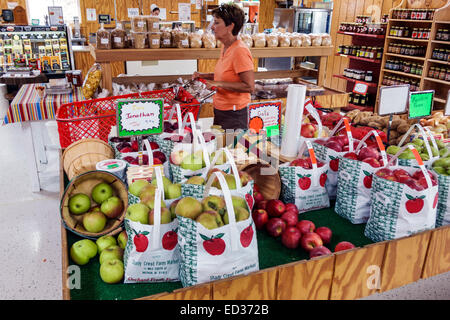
<point x="271" y="253"/>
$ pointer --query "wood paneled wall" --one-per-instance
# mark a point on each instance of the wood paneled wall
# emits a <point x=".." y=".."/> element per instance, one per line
<point x="4" y="3"/>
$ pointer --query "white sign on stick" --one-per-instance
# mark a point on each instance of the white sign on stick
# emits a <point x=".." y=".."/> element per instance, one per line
<point x="447" y="105"/>
<point x="393" y="100"/>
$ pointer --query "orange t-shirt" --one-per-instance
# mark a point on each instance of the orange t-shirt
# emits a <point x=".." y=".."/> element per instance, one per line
<point x="237" y="59"/>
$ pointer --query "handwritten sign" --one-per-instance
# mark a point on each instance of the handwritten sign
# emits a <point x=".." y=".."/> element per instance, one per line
<point x="139" y="117"/>
<point x="360" y="88"/>
<point x="447" y="105"/>
<point x="265" y="116"/>
<point x="393" y="100"/>
<point x="420" y="104"/>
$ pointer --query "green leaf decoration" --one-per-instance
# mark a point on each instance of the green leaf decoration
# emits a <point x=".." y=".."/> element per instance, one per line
<point x="205" y="238"/>
<point x="332" y="158"/>
<point x="220" y="235"/>
<point x="145" y="233"/>
<point x="422" y="197"/>
<point x="367" y="173"/>
<point x="227" y="170"/>
<point x="299" y="175"/>
<point x="308" y="175"/>
<point x="175" y="230"/>
<point x="410" y="197"/>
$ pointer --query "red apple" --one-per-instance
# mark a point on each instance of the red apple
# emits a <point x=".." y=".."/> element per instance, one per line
<point x="334" y="145"/>
<point x="320" y="141"/>
<point x="291" y="206"/>
<point x="260" y="217"/>
<point x="258" y="197"/>
<point x="126" y="150"/>
<point x="384" y="172"/>
<point x="275" y="208"/>
<point x="413" y="184"/>
<point x="403" y="179"/>
<point x="310" y="240"/>
<point x="344" y="245"/>
<point x="351" y="155"/>
<point x="319" y="251"/>
<point x="262" y="204"/>
<point x="290" y="217"/>
<point x="159" y="155"/>
<point x="419" y="174"/>
<point x="291" y="237"/>
<point x="344" y="139"/>
<point x="275" y="227"/>
<point x="372" y="162"/>
<point x="324" y="233"/>
<point x="308" y="130"/>
<point x="255" y="188"/>
<point x="400" y="173"/>
<point x="339" y="140"/>
<point x="368" y="152"/>
<point x="306" y="226"/>
<point x="423" y="182"/>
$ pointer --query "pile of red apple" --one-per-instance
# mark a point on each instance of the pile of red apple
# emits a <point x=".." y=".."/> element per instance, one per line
<point x="415" y="181"/>
<point x="280" y="219"/>
<point x="133" y="146"/>
<point x="369" y="155"/>
<point x="338" y="143"/>
<point x="158" y="158"/>
<point x="187" y="137"/>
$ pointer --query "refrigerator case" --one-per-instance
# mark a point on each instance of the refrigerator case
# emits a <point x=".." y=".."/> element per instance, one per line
<point x="41" y="47"/>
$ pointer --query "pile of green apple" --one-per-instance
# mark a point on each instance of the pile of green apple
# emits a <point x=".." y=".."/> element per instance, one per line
<point x="145" y="190"/>
<point x="110" y="251"/>
<point x="442" y="166"/>
<point x="94" y="218"/>
<point x="419" y="145"/>
<point x="193" y="161"/>
<point x="211" y="211"/>
<point x="229" y="178"/>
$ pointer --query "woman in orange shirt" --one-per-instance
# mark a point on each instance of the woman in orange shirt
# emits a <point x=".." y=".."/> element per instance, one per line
<point x="233" y="75"/>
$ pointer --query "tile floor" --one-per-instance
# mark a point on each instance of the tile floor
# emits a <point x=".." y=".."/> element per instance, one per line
<point x="30" y="231"/>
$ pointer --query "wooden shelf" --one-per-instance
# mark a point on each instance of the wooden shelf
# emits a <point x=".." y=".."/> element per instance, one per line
<point x="406" y="57"/>
<point x="362" y="35"/>
<point x="439" y="100"/>
<point x="441" y="42"/>
<point x="410" y="20"/>
<point x="408" y="39"/>
<point x="439" y="61"/>
<point x="378" y="61"/>
<point x="437" y="81"/>
<point x="445" y="22"/>
<point x="403" y="73"/>
<point x="369" y="84"/>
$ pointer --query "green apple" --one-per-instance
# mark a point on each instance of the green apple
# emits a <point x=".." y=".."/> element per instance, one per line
<point x="151" y="204"/>
<point x="192" y="162"/>
<point x="94" y="221"/>
<point x="434" y="151"/>
<point x="442" y="162"/>
<point x="82" y="251"/>
<point x="188" y="207"/>
<point x="166" y="183"/>
<point x="122" y="239"/>
<point x="407" y="154"/>
<point x="222" y="159"/>
<point x="147" y="193"/>
<point x="137" y="186"/>
<point x="392" y="150"/>
<point x="101" y="192"/>
<point x="112" y="271"/>
<point x="172" y="207"/>
<point x="166" y="217"/>
<point x="112" y="252"/>
<point x="444" y="152"/>
<point x="425" y="156"/>
<point x="239" y="202"/>
<point x="239" y="213"/>
<point x="79" y="203"/>
<point x="196" y="180"/>
<point x="173" y="191"/>
<point x="440" y="170"/>
<point x="138" y="212"/>
<point x="245" y="178"/>
<point x="112" y="207"/>
<point x="229" y="178"/>
<point x="210" y="220"/>
<point x="418" y="142"/>
<point x="214" y="203"/>
<point x="104" y="242"/>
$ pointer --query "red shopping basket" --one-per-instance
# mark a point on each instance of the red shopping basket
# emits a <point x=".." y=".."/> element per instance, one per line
<point x="94" y="118"/>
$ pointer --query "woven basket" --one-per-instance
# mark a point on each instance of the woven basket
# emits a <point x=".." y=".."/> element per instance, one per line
<point x="269" y="184"/>
<point x="82" y="156"/>
<point x="84" y="183"/>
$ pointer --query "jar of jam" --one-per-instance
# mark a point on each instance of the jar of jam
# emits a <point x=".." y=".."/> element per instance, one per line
<point x="413" y="68"/>
<point x="447" y="75"/>
<point x="356" y="99"/>
<point x="431" y="72"/>
<point x="442" y="74"/>
<point x="369" y="76"/>
<point x="362" y="100"/>
<point x="69" y="76"/>
<point x="445" y="35"/>
<point x="415" y="33"/>
<point x="76" y="79"/>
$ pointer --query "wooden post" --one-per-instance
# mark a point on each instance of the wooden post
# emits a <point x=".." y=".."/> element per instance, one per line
<point x="106" y="76"/>
<point x="322" y="71"/>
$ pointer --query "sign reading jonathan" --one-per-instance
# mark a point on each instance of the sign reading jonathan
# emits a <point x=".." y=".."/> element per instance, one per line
<point x="139" y="117"/>
<point x="265" y="115"/>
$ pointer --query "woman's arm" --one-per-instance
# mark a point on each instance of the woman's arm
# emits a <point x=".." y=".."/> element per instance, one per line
<point x="206" y="76"/>
<point x="247" y="83"/>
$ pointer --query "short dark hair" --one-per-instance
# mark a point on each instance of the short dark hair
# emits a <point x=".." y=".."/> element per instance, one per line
<point x="230" y="13"/>
<point x="155" y="8"/>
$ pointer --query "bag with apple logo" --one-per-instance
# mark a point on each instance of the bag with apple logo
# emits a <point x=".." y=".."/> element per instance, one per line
<point x="303" y="182"/>
<point x="212" y="246"/>
<point x="240" y="183"/>
<point x="428" y="153"/>
<point x="403" y="201"/>
<point x="308" y="131"/>
<point x="355" y="179"/>
<point x="441" y="168"/>
<point x="152" y="253"/>
<point x="330" y="150"/>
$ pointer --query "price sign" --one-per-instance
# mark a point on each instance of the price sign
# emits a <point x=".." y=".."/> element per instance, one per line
<point x="265" y="116"/>
<point x="139" y="117"/>
<point x="360" y="88"/>
<point x="447" y="105"/>
<point x="420" y="104"/>
<point x="393" y="100"/>
<point x="104" y="18"/>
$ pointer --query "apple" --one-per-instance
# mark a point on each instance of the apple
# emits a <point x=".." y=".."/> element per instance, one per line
<point x="258" y="196"/>
<point x="310" y="240"/>
<point x="239" y="202"/>
<point x="419" y="174"/>
<point x="210" y="220"/>
<point x="176" y="157"/>
<point x="192" y="162"/>
<point x="79" y="203"/>
<point x="368" y="152"/>
<point x="151" y="204"/>
<point x="262" y="204"/>
<point x="82" y="251"/>
<point x="137" y="186"/>
<point x="291" y="207"/>
<point x="122" y="239"/>
<point x="351" y="155"/>
<point x="196" y="180"/>
<point x="229" y="178"/>
<point x="245" y="178"/>
<point x="112" y="207"/>
<point x="343" y="245"/>
<point x="275" y="208"/>
<point x="290" y="217"/>
<point x="94" y="221"/>
<point x="189" y="207"/>
<point x="112" y="252"/>
<point x="423" y="182"/>
<point x="319" y="251"/>
<point x="112" y="271"/>
<point x="165" y="181"/>
<point x="383" y="172"/>
<point x="239" y="213"/>
<point x="166" y="217"/>
<point x="104" y="242"/>
<point x="305" y="226"/>
<point x="160" y="156"/>
<point x="147" y="193"/>
<point x="275" y="227"/>
<point x="173" y="191"/>
<point x="324" y="233"/>
<point x="308" y="130"/>
<point x="372" y="162"/>
<point x="260" y="218"/>
<point x="291" y="237"/>
<point x="101" y="192"/>
<point x="138" y="212"/>
<point x="334" y="145"/>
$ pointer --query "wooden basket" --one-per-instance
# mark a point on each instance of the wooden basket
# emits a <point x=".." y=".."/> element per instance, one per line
<point x="84" y="183"/>
<point x="269" y="184"/>
<point x="82" y="156"/>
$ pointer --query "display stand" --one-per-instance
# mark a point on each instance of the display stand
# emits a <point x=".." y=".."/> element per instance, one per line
<point x="440" y="20"/>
